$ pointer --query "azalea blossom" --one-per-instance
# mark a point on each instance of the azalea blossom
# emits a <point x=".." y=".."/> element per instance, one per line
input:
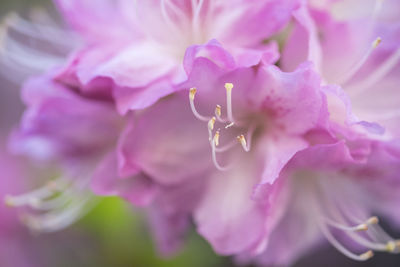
<point x="181" y="107"/>
<point x="360" y="52"/>
<point x="329" y="193"/>
<point x="139" y="55"/>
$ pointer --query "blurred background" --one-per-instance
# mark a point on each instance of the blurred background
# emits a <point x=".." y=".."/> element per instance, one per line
<point x="113" y="234"/>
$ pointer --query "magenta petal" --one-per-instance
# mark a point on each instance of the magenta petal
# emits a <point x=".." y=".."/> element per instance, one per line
<point x="167" y="142"/>
<point x="92" y="19"/>
<point x="51" y="128"/>
<point x="278" y="150"/>
<point x="137" y="189"/>
<point x="303" y="43"/>
<point x="230" y="216"/>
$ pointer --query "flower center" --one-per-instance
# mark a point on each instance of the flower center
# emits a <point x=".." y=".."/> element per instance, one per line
<point x="227" y="124"/>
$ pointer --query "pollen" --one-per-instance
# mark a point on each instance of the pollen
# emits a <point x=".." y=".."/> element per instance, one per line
<point x="216" y="138"/>
<point x="362" y="227"/>
<point x="242" y="141"/>
<point x="218" y="111"/>
<point x="367" y="255"/>
<point x="211" y="124"/>
<point x="228" y="86"/>
<point x="192" y="93"/>
<point x="373" y="220"/>
<point x="391" y="246"/>
<point x="376" y="42"/>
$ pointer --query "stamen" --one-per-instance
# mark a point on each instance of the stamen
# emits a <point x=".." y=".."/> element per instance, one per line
<point x="58" y="219"/>
<point x="177" y="10"/>
<point x="372" y="220"/>
<point x="228" y="87"/>
<point x="26" y="199"/>
<point x="214" y="157"/>
<point x="36" y="31"/>
<point x="211" y="123"/>
<point x="216" y="138"/>
<point x="169" y="22"/>
<point x="362" y="257"/>
<point x="243" y="142"/>
<point x="196" y="8"/>
<point x="376" y="75"/>
<point x="218" y="113"/>
<point x="64" y="201"/>
<point x="356" y="228"/>
<point x="353" y="70"/>
<point x="192" y="93"/>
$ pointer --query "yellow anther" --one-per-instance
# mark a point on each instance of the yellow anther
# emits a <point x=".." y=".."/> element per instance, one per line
<point x="192" y="93"/>
<point x="373" y="220"/>
<point x="242" y="140"/>
<point x="391" y="246"/>
<point x="211" y="123"/>
<point x="228" y="86"/>
<point x="216" y="138"/>
<point x="218" y="110"/>
<point x="376" y="42"/>
<point x="362" y="227"/>
<point x="8" y="201"/>
<point x="367" y="255"/>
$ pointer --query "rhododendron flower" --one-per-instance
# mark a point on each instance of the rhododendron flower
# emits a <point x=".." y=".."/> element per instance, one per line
<point x="180" y="107"/>
<point x="232" y="139"/>
<point x="139" y="52"/>
<point x="327" y="192"/>
<point x="359" y="51"/>
<point x="76" y="139"/>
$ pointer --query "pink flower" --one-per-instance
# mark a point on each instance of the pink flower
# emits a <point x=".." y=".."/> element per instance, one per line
<point x="218" y="156"/>
<point x="73" y="134"/>
<point x="209" y="128"/>
<point x="328" y="193"/>
<point x="360" y="52"/>
<point x="137" y="47"/>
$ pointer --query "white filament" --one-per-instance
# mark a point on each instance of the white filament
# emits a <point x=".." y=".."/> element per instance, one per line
<point x="356" y="67"/>
<point x="377" y="75"/>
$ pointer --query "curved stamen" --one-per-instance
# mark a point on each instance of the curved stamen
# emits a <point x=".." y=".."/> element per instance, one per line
<point x="328" y="235"/>
<point x="377" y="75"/>
<point x="58" y="219"/>
<point x="196" y="9"/>
<point x="243" y="142"/>
<point x="178" y="11"/>
<point x="214" y="155"/>
<point x="356" y="228"/>
<point x="167" y="18"/>
<point x="218" y="114"/>
<point x="38" y="31"/>
<point x="192" y="93"/>
<point x="341" y="213"/>
<point x="41" y="193"/>
<point x="356" y="67"/>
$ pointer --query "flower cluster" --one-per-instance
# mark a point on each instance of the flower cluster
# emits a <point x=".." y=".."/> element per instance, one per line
<point x="268" y="124"/>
